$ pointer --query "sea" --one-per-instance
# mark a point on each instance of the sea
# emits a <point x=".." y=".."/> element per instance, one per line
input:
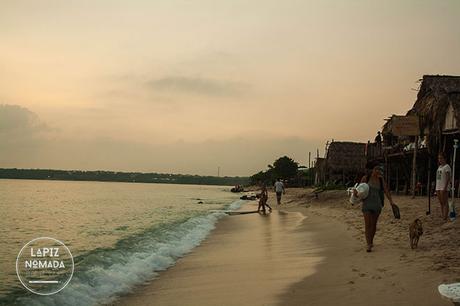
<point x="120" y="234"/>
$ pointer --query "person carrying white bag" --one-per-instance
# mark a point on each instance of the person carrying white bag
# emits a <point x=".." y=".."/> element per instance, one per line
<point x="371" y="192"/>
<point x="362" y="190"/>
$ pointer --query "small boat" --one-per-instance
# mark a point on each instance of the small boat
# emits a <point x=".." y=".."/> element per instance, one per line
<point x="237" y="188"/>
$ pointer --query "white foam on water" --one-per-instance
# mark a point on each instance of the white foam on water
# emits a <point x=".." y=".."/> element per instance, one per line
<point x="118" y="271"/>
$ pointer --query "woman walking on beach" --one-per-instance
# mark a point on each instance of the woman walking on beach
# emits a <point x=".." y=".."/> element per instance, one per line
<point x="373" y="204"/>
<point x="442" y="185"/>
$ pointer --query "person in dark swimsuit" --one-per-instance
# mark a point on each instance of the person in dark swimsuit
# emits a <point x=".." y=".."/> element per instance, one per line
<point x="373" y="204"/>
<point x="263" y="200"/>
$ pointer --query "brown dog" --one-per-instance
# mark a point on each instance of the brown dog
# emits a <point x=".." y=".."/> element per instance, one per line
<point x="415" y="231"/>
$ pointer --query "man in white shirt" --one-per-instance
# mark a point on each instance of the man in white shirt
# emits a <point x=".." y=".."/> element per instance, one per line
<point x="279" y="189"/>
<point x="442" y="185"/>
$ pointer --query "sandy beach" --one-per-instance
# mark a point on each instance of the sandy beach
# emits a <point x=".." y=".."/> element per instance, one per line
<point x="311" y="252"/>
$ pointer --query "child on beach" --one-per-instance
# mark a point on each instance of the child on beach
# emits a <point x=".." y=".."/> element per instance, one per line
<point x="442" y="185"/>
<point x="373" y="204"/>
<point x="263" y="200"/>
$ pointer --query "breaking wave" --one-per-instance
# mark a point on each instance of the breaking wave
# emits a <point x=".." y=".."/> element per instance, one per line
<point x="102" y="275"/>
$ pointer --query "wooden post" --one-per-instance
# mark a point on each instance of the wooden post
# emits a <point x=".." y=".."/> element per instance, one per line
<point x="428" y="184"/>
<point x="387" y="176"/>
<point x="414" y="166"/>
<point x="452" y="181"/>
<point x="444" y="145"/>
<point x="320" y="177"/>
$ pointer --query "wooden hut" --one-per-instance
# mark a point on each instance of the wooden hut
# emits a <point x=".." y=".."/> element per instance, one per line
<point x="344" y="160"/>
<point x="438" y="107"/>
<point x="438" y="110"/>
<point x="320" y="171"/>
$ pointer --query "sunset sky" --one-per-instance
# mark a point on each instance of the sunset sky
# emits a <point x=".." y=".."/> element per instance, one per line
<point x="187" y="86"/>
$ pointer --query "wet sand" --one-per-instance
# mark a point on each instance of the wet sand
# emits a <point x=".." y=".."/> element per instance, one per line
<point x="247" y="260"/>
<point x="306" y="253"/>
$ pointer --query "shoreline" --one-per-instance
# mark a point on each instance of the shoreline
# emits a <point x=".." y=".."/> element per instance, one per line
<point x="113" y="181"/>
<point x="119" y="177"/>
<point x="246" y="260"/>
<point x="309" y="251"/>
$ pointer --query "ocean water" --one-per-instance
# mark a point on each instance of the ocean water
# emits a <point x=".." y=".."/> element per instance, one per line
<point x="120" y="234"/>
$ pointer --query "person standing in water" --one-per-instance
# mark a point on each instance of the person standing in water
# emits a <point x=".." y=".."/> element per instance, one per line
<point x="263" y="200"/>
<point x="442" y="185"/>
<point x="373" y="204"/>
<point x="279" y="189"/>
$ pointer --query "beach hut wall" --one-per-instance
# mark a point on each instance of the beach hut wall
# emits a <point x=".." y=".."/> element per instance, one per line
<point x="346" y="156"/>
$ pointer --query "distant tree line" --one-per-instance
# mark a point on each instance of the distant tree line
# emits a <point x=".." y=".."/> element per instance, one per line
<point x="286" y="169"/>
<point x="111" y="176"/>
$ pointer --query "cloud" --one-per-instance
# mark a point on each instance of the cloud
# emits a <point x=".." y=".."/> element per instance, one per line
<point x="237" y="156"/>
<point x="27" y="142"/>
<point x="17" y="121"/>
<point x="199" y="86"/>
<point x="22" y="134"/>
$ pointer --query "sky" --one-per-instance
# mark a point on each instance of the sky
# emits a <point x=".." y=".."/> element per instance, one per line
<point x="189" y="86"/>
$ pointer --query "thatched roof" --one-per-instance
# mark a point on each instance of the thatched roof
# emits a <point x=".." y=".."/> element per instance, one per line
<point x="387" y="127"/>
<point x="346" y="156"/>
<point x="433" y="98"/>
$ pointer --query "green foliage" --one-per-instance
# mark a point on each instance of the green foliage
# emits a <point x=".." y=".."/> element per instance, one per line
<point x="264" y="177"/>
<point x="284" y="168"/>
<point x="111" y="176"/>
